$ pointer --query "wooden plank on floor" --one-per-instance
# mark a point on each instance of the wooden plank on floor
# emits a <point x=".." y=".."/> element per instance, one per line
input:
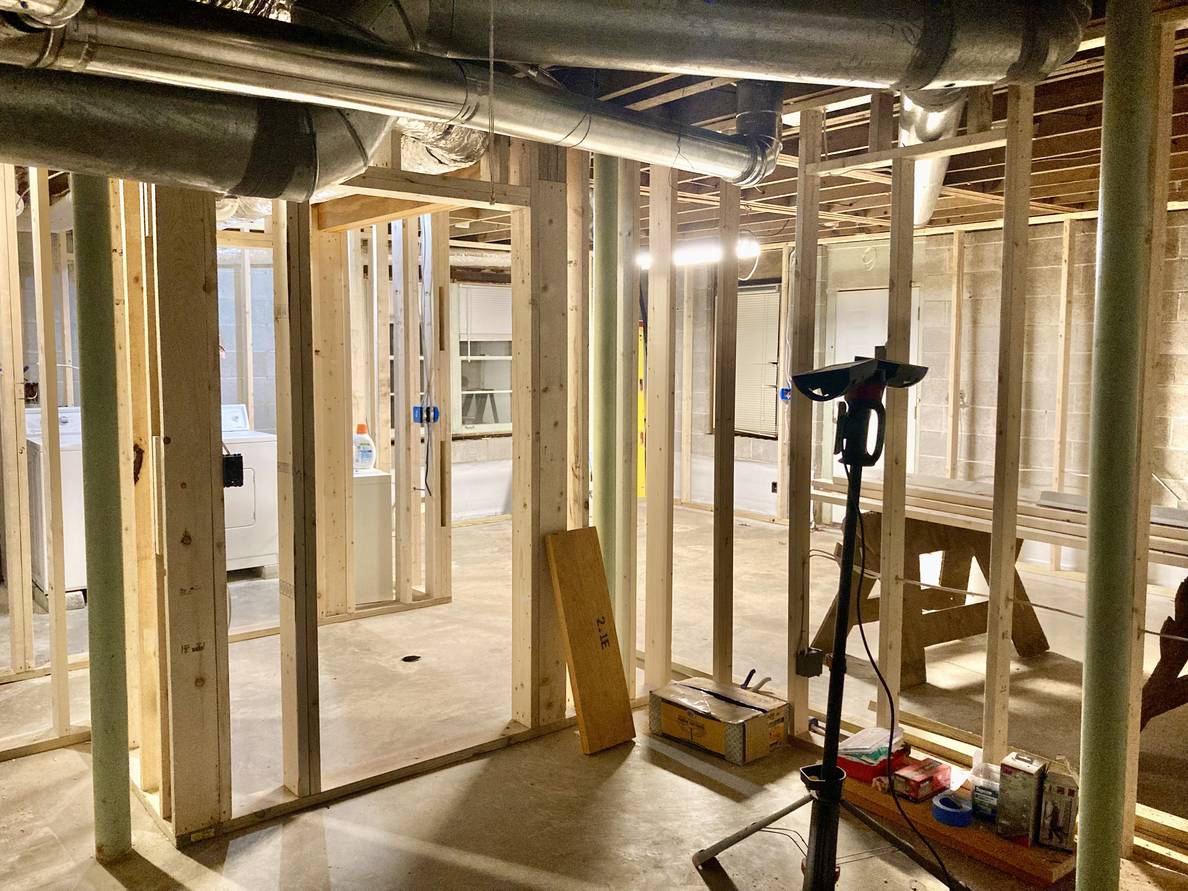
<point x="627" y="467"/>
<point x="591" y="645"/>
<point x="1164" y="61"/>
<point x="332" y="402"/>
<point x="539" y="442"/>
<point x="192" y="489"/>
<point x="578" y="222"/>
<point x="956" y="301"/>
<point x="802" y="343"/>
<point x="661" y="428"/>
<point x="51" y="473"/>
<point x="13" y="448"/>
<point x="296" y="425"/>
<point x="1020" y="106"/>
<point x="899" y="329"/>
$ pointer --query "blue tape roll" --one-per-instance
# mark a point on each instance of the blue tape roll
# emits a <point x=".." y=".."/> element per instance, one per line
<point x="952" y="810"/>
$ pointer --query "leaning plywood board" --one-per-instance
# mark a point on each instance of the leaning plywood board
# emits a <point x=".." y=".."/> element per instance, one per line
<point x="591" y="645"/>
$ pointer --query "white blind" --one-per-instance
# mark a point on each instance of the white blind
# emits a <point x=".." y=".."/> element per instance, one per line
<point x="757" y="340"/>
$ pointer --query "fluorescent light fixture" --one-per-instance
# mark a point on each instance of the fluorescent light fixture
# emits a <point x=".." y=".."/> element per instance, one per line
<point x="704" y="252"/>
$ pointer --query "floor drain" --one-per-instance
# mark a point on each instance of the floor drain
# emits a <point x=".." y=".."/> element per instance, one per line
<point x="410" y="658"/>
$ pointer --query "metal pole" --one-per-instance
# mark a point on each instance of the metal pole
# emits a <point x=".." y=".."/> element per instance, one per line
<point x="603" y="317"/>
<point x="101" y="509"/>
<point x="1123" y="253"/>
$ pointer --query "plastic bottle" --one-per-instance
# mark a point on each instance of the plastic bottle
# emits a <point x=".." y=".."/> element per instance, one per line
<point x="364" y="449"/>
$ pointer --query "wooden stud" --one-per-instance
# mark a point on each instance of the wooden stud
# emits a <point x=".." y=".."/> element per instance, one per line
<point x="297" y="498"/>
<point x="381" y="283"/>
<point x="899" y="329"/>
<point x="661" y="428"/>
<point x="939" y="148"/>
<point x="13" y="448"/>
<point x="627" y="426"/>
<point x="360" y="323"/>
<point x="1063" y="356"/>
<point x="51" y="472"/>
<point x="435" y="266"/>
<point x="67" y="324"/>
<point x="1020" y="106"/>
<point x="148" y="590"/>
<point x="244" y="346"/>
<point x="882" y="121"/>
<point x="451" y="190"/>
<point x="803" y="312"/>
<point x="784" y="353"/>
<point x="725" y="359"/>
<point x="126" y="460"/>
<point x="1164" y="60"/>
<point x="192" y="488"/>
<point x="406" y="384"/>
<point x="539" y="442"/>
<point x="956" y="301"/>
<point x="687" y="279"/>
<point x="578" y="222"/>
<point x="332" y="386"/>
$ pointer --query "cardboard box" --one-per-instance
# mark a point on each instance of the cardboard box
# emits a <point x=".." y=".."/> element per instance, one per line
<point x="1058" y="820"/>
<point x="922" y="780"/>
<point x="740" y="725"/>
<point x="1021" y="786"/>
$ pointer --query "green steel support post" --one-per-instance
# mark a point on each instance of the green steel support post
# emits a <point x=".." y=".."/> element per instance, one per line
<point x="101" y="507"/>
<point x="603" y="318"/>
<point x="1123" y="253"/>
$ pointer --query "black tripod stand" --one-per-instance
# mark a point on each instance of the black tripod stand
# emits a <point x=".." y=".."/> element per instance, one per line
<point x="861" y="384"/>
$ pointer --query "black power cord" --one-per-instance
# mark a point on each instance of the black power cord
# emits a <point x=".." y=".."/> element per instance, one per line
<point x="890" y="702"/>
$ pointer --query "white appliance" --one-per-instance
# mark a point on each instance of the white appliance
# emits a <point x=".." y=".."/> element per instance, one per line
<point x="372" y="508"/>
<point x="250" y="512"/>
<point x="70" y="440"/>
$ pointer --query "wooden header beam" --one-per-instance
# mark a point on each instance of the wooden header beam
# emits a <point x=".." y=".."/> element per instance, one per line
<point x="940" y="148"/>
<point x="386" y="183"/>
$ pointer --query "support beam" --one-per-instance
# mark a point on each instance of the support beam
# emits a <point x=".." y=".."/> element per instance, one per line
<point x="406" y="384"/>
<point x="101" y="496"/>
<point x="938" y="148"/>
<point x="956" y="305"/>
<point x="1063" y="355"/>
<point x="661" y="428"/>
<point x="439" y="350"/>
<point x="191" y="485"/>
<point x="13" y="448"/>
<point x="603" y="314"/>
<point x="891" y="546"/>
<point x="687" y="281"/>
<point x="725" y="361"/>
<point x="578" y="220"/>
<point x="296" y="444"/>
<point x="882" y="121"/>
<point x="357" y="211"/>
<point x="333" y="430"/>
<point x="380" y="262"/>
<point x="1016" y="187"/>
<point x="51" y="475"/>
<point x="627" y="418"/>
<point x="801" y="345"/>
<point x="539" y="406"/>
<point x="1164" y="77"/>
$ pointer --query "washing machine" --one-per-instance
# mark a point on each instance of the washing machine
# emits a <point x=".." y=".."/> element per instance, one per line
<point x="249" y="511"/>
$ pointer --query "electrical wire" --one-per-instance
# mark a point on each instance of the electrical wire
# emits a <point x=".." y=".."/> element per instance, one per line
<point x="890" y="702"/>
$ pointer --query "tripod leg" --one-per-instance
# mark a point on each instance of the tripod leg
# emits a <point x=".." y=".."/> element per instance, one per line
<point x="707" y="854"/>
<point x="903" y="844"/>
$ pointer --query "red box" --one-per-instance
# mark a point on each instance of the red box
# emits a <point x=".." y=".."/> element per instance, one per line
<point x="923" y="779"/>
<point x="866" y="773"/>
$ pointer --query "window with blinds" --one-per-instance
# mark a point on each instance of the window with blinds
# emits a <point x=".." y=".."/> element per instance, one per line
<point x="756" y="391"/>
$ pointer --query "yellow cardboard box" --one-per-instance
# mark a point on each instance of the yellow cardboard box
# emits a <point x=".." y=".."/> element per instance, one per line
<point x="740" y="725"/>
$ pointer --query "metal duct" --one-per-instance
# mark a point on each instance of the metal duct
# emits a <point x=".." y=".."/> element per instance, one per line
<point x="924" y="117"/>
<point x="229" y="144"/>
<point x="193" y="46"/>
<point x="436" y="147"/>
<point x="902" y="44"/>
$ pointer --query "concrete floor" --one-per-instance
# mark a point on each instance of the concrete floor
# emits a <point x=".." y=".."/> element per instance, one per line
<point x="536" y="815"/>
<point x="378" y="709"/>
